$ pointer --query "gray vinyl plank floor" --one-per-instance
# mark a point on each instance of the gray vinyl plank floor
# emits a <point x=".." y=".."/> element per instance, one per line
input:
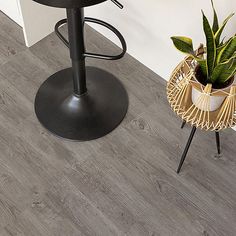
<point x="122" y="184"/>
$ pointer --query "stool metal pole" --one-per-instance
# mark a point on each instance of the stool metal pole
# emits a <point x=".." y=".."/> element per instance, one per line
<point x="75" y="20"/>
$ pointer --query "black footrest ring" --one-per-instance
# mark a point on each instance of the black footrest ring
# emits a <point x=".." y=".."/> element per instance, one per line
<point x="117" y="33"/>
<point x="94" y="55"/>
<point x="58" y="33"/>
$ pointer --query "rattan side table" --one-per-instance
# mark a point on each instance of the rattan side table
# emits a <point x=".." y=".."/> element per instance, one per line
<point x="179" y="90"/>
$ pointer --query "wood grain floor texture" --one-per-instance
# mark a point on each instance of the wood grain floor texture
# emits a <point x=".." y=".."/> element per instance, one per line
<point x="122" y="184"/>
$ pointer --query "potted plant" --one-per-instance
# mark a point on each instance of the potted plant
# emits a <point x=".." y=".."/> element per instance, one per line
<point x="217" y="65"/>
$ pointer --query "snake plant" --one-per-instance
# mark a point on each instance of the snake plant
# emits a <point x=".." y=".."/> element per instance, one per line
<point x="218" y="65"/>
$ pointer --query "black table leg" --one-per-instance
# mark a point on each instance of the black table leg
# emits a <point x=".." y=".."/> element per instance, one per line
<point x="183" y="124"/>
<point x="218" y="142"/>
<point x="186" y="149"/>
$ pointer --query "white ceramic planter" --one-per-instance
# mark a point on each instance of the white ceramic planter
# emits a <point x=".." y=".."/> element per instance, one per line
<point x="215" y="100"/>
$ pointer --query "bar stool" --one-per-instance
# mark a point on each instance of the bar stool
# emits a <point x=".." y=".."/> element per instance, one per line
<point x="81" y="103"/>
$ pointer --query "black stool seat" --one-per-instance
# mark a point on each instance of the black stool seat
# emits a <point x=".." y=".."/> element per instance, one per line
<point x="69" y="3"/>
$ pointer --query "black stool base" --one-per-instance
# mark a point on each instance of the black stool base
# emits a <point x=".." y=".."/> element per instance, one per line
<point x="83" y="118"/>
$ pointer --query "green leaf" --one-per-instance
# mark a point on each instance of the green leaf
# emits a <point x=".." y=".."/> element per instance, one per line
<point x="220" y="30"/>
<point x="220" y="51"/>
<point x="222" y="42"/>
<point x="220" y="48"/>
<point x="228" y="51"/>
<point x="215" y="26"/>
<point x="183" y="44"/>
<point x="203" y="65"/>
<point x="229" y="72"/>
<point x="211" y="45"/>
<point x="223" y="71"/>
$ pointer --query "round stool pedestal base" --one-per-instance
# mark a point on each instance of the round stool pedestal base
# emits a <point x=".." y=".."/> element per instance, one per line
<point x="83" y="118"/>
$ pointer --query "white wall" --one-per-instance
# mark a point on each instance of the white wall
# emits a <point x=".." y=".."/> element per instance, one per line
<point x="148" y="25"/>
<point x="38" y="20"/>
<point x="11" y="8"/>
